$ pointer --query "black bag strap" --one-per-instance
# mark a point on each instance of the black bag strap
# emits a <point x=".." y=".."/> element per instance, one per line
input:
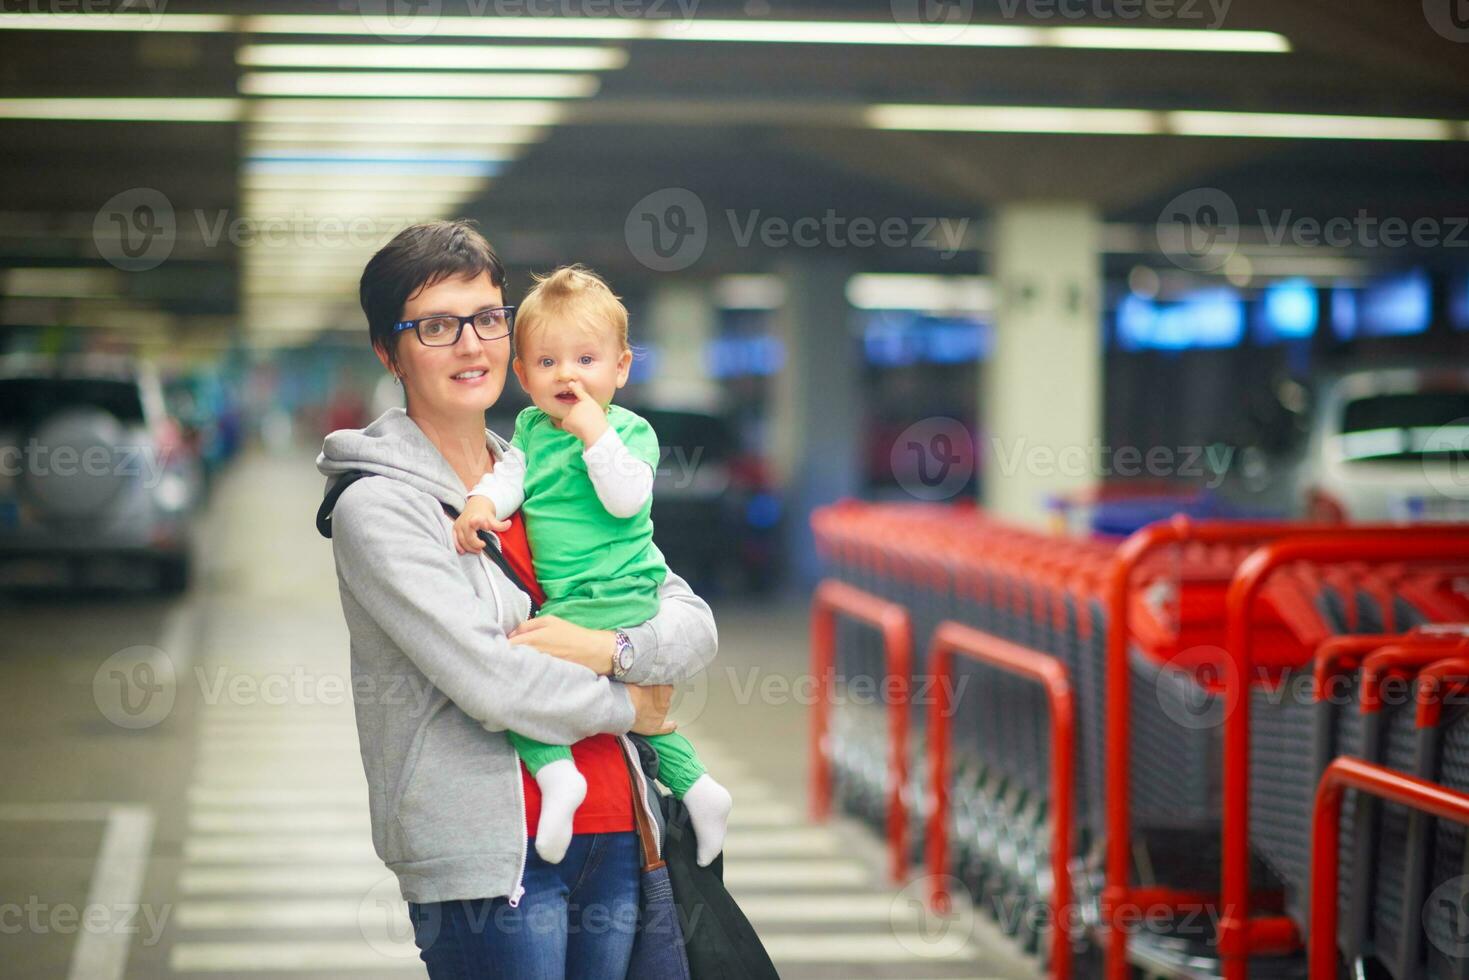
<point x="492" y="551"/>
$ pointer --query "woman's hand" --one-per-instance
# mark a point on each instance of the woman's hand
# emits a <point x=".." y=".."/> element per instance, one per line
<point x="651" y="704"/>
<point x="593" y="649"/>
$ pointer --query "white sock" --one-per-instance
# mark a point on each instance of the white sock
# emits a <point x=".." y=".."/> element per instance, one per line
<point x="708" y="804"/>
<point x="563" y="788"/>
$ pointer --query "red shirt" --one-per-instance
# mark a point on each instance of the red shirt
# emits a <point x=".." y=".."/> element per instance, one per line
<point x="608" y="806"/>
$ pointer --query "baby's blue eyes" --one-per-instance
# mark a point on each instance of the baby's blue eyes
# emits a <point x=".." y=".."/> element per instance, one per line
<point x="586" y="358"/>
<point x="546" y="362"/>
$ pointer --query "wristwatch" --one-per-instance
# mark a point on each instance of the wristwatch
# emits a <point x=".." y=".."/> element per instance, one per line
<point x="622" y="655"/>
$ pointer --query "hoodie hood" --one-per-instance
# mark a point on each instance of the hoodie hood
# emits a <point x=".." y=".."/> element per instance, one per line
<point x="394" y="446"/>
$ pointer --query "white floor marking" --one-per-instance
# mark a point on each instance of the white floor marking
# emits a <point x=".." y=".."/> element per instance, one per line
<point x="299" y="880"/>
<point x="783" y="874"/>
<point x="876" y="947"/>
<point x="349" y="820"/>
<point x="264" y="848"/>
<point x="279" y="795"/>
<point x="338" y="957"/>
<point x="117" y="878"/>
<point x="791" y="842"/>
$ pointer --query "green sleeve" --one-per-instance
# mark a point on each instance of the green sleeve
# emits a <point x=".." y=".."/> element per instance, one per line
<point x="524" y="422"/>
<point x="639" y="438"/>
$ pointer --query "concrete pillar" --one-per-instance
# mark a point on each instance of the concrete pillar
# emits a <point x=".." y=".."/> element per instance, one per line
<point x="815" y="433"/>
<point x="1042" y="384"/>
<point x="682" y="320"/>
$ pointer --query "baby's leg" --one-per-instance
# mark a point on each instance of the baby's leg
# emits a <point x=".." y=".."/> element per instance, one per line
<point x="708" y="803"/>
<point x="563" y="788"/>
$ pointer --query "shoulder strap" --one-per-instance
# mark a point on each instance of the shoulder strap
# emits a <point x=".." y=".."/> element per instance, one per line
<point x="329" y="502"/>
<point x="647" y="836"/>
<point x="493" y="553"/>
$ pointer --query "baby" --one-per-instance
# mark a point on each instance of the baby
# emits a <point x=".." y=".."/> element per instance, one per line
<point x="582" y="470"/>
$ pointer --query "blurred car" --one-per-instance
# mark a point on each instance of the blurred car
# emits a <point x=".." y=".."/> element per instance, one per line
<point x="1379" y="445"/>
<point x="93" y="472"/>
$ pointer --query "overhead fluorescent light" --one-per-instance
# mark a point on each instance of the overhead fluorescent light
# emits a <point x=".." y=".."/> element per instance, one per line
<point x="331" y="185"/>
<point x="932" y="294"/>
<point x="429" y="25"/>
<point x="750" y="292"/>
<point x="1297" y="126"/>
<point x="130" y="110"/>
<point x="61" y="282"/>
<point x="419" y="85"/>
<point x="411" y="169"/>
<point x="427" y="137"/>
<point x="435" y="57"/>
<point x="1143" y="122"/>
<point x="141" y="20"/>
<point x="489" y="113"/>
<point x="1013" y="119"/>
<point x="688" y="29"/>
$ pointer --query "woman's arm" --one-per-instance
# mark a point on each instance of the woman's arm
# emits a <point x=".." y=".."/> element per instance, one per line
<point x="393" y="555"/>
<point x="678" y="642"/>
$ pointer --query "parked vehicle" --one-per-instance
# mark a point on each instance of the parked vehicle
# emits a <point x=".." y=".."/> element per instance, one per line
<point x="1383" y="444"/>
<point x="93" y="472"/>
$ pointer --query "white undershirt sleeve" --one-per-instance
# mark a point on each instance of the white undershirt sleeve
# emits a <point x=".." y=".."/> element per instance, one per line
<point x="622" y="481"/>
<point x="505" y="484"/>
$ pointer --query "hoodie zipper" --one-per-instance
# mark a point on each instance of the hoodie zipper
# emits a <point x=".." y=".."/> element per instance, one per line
<point x="641" y="782"/>
<point x="519" y="889"/>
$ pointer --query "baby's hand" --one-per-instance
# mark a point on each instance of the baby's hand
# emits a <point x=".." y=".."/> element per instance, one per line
<point x="478" y="515"/>
<point x="587" y="420"/>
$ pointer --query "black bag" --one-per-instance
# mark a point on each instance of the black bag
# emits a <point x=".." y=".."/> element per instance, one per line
<point x="719" y="941"/>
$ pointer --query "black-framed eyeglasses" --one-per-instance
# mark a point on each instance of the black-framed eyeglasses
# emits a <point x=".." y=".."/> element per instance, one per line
<point x="444" y="330"/>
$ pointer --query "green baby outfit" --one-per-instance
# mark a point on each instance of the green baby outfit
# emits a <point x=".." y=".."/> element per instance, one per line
<point x="597" y="570"/>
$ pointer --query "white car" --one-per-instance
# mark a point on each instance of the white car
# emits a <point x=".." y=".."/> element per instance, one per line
<point x="1387" y="445"/>
<point x="93" y="472"/>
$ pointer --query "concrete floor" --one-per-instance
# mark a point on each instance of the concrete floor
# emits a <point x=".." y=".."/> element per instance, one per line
<point x="182" y="794"/>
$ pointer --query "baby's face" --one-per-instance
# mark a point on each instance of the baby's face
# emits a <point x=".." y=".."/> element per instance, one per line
<point x="558" y="353"/>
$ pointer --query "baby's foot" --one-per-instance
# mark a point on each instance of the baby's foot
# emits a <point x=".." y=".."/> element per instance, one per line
<point x="563" y="788"/>
<point x="708" y="804"/>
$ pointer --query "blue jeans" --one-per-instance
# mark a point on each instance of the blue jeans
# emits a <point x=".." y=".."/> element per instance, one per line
<point x="576" y="920"/>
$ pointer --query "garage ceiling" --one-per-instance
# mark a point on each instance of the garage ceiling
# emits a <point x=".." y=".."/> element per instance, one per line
<point x="277" y="197"/>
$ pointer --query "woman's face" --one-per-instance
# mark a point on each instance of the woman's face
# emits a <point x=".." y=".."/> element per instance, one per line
<point x="465" y="378"/>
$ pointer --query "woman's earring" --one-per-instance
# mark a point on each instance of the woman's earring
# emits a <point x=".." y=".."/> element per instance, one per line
<point x="398" y="380"/>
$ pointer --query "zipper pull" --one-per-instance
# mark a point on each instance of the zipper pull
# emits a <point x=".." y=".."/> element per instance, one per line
<point x="516" y="895"/>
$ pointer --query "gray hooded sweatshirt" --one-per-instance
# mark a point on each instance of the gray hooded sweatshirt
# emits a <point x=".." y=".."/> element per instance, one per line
<point x="436" y="681"/>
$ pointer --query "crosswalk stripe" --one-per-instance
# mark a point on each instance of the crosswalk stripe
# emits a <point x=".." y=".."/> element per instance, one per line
<point x="778" y="910"/>
<point x="787" y="874"/>
<point x="296" y="880"/>
<point x="794" y="842"/>
<point x="237" y="821"/>
<point x="876" y="947"/>
<point x="274" y="913"/>
<point x="197" y="957"/>
<point x="763" y="814"/>
<point x="278" y="795"/>
<point x="274" y="847"/>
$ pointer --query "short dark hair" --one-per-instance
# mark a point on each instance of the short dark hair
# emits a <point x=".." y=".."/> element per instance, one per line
<point x="420" y="256"/>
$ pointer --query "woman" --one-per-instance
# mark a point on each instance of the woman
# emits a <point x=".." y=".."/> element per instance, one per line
<point x="444" y="660"/>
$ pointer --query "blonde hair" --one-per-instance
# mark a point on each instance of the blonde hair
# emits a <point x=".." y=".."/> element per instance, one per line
<point x="571" y="292"/>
